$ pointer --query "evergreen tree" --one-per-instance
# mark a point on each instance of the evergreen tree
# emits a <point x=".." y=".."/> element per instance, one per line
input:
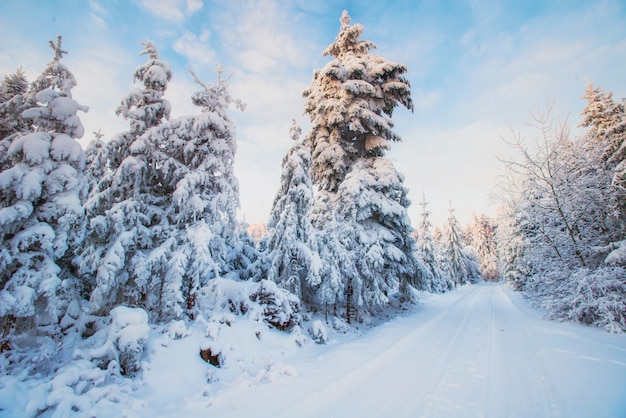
<point x="481" y="235"/>
<point x="292" y="240"/>
<point x="12" y="103"/>
<point x="41" y="207"/>
<point x="606" y="123"/>
<point x="350" y="103"/>
<point x="359" y="197"/>
<point x="125" y="208"/>
<point x="437" y="281"/>
<point x="196" y="157"/>
<point x="461" y="261"/>
<point x="606" y="130"/>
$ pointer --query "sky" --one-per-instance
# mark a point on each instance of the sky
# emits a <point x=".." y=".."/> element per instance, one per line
<point x="477" y="68"/>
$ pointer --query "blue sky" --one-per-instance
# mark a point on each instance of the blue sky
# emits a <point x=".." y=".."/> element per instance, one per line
<point x="477" y="69"/>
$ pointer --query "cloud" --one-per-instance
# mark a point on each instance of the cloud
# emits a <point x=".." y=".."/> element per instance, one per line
<point x="172" y="10"/>
<point x="267" y="36"/>
<point x="97" y="8"/>
<point x="104" y="76"/>
<point x="195" y="48"/>
<point x="98" y="20"/>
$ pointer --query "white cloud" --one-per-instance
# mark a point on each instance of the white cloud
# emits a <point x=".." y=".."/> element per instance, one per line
<point x="194" y="6"/>
<point x="196" y="49"/>
<point x="172" y="10"/>
<point x="98" y="20"/>
<point x="98" y="8"/>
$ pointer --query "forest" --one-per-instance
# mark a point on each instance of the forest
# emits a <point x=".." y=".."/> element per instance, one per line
<point x="100" y="245"/>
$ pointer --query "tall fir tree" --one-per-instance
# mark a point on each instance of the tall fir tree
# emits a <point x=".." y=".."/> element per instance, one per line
<point x="199" y="194"/>
<point x="350" y="103"/>
<point x="436" y="280"/>
<point x="461" y="261"/>
<point x="41" y="207"/>
<point x="125" y="208"/>
<point x="13" y="95"/>
<point x="605" y="121"/>
<point x="481" y="234"/>
<point x="292" y="240"/>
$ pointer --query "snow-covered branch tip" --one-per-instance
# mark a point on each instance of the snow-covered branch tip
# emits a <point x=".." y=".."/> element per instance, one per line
<point x="150" y="50"/>
<point x="215" y="95"/>
<point x="58" y="51"/>
<point x="295" y="131"/>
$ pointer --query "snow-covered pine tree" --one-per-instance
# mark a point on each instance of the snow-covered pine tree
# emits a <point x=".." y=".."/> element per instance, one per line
<point x="481" y="235"/>
<point x="125" y="208"/>
<point x="350" y="103"/>
<point x="606" y="124"/>
<point x="12" y="103"/>
<point x="372" y="201"/>
<point x="199" y="194"/>
<point x="292" y="241"/>
<point x="605" y="121"/>
<point x="41" y="207"/>
<point x="436" y="280"/>
<point x="513" y="266"/>
<point x="244" y="256"/>
<point x="461" y="261"/>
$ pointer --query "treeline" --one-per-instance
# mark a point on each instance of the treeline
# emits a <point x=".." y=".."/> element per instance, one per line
<point x="562" y="229"/>
<point x="147" y="219"/>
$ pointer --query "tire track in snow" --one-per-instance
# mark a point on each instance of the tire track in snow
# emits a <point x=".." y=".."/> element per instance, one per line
<point x="477" y="352"/>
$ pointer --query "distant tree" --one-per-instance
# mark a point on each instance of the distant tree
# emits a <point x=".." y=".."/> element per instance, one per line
<point x="41" y="208"/>
<point x="605" y="121"/>
<point x="606" y="125"/>
<point x="481" y="235"/>
<point x="461" y="260"/>
<point x="291" y="237"/>
<point x="437" y="281"/>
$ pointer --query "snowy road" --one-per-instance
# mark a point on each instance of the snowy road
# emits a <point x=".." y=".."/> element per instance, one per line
<point x="476" y="352"/>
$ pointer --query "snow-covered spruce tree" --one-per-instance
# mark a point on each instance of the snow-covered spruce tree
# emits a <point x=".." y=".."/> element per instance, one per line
<point x="244" y="257"/>
<point x="125" y="208"/>
<point x="199" y="194"/>
<point x="606" y="124"/>
<point x="350" y="102"/>
<point x="292" y="241"/>
<point x="605" y="121"/>
<point x="436" y="280"/>
<point x="481" y="235"/>
<point x="12" y="103"/>
<point x="41" y="208"/>
<point x="461" y="260"/>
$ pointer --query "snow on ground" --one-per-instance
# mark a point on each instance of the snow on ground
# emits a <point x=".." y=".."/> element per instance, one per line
<point x="476" y="352"/>
<point x="479" y="351"/>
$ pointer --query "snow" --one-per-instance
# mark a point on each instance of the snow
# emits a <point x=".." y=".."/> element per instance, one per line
<point x="479" y="351"/>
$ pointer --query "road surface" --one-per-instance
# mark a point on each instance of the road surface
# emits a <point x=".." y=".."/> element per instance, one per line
<point x="479" y="351"/>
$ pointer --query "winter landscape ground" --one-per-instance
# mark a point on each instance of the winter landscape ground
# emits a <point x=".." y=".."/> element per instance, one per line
<point x="480" y="351"/>
<point x="477" y="352"/>
<point x="131" y="286"/>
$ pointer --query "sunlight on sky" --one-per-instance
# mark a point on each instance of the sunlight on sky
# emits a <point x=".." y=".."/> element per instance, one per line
<point x="476" y="68"/>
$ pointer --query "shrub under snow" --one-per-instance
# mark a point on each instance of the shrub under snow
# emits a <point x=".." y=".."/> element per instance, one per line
<point x="262" y="300"/>
<point x="595" y="297"/>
